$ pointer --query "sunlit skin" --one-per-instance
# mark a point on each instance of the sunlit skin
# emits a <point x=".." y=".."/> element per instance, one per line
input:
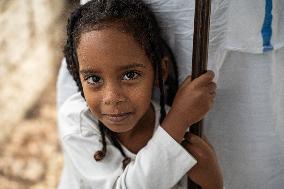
<point x="117" y="79"/>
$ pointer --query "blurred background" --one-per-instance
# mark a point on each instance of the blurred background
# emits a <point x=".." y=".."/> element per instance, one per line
<point x="32" y="36"/>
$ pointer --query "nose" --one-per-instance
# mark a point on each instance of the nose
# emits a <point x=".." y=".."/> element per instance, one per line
<point x="113" y="95"/>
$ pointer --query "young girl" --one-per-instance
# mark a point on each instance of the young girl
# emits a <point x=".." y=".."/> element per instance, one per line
<point x="117" y="137"/>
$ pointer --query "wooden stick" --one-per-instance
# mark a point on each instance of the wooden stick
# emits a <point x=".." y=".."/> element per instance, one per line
<point x="200" y="54"/>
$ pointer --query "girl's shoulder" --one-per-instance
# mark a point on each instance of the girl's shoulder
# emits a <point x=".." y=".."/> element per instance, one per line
<point x="74" y="117"/>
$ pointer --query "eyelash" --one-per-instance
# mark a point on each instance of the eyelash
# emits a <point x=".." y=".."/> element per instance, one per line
<point x="93" y="82"/>
<point x="137" y="74"/>
<point x="88" y="78"/>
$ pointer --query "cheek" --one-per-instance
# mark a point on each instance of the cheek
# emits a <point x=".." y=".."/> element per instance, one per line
<point x="94" y="107"/>
<point x="142" y="94"/>
<point x="91" y="99"/>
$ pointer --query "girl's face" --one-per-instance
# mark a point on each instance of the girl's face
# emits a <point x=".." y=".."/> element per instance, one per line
<point x="117" y="78"/>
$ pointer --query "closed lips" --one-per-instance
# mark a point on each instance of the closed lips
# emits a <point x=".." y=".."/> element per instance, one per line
<point x="117" y="117"/>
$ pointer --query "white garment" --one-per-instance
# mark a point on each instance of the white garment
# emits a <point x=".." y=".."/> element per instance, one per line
<point x="161" y="164"/>
<point x="65" y="86"/>
<point x="235" y="25"/>
<point x="246" y="124"/>
<point x="245" y="22"/>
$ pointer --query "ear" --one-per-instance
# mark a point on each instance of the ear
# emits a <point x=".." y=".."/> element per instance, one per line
<point x="165" y="70"/>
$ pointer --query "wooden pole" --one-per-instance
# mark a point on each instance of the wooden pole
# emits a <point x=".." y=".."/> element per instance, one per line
<point x="200" y="54"/>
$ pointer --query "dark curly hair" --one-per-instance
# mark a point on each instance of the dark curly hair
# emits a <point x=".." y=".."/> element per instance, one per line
<point x="135" y="18"/>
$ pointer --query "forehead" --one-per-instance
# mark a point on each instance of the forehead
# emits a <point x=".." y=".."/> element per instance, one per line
<point x="109" y="46"/>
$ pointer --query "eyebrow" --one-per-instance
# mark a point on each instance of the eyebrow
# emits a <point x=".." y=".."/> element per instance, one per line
<point x="131" y="66"/>
<point x="88" y="71"/>
<point x="126" y="67"/>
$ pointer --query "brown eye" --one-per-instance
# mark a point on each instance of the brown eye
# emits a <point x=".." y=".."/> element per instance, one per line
<point x="94" y="80"/>
<point x="130" y="75"/>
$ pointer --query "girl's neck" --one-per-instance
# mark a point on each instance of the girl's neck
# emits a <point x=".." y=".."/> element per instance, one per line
<point x="138" y="137"/>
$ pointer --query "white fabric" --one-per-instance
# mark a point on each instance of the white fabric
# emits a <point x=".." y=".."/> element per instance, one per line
<point x="161" y="164"/>
<point x="176" y="18"/>
<point x="235" y="25"/>
<point x="65" y="86"/>
<point x="245" y="21"/>
<point x="246" y="125"/>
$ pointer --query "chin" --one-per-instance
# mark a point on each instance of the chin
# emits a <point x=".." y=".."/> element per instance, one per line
<point x="118" y="129"/>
